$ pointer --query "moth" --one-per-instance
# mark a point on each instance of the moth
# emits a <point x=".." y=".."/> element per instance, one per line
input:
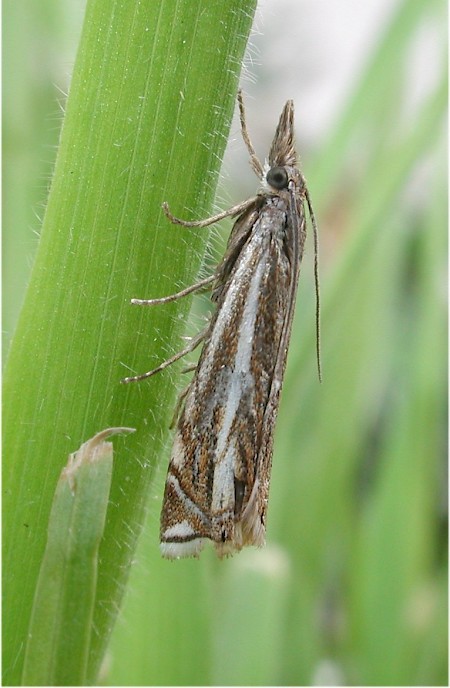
<point x="217" y="485"/>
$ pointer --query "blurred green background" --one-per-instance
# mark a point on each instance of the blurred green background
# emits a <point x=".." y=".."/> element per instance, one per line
<point x="352" y="586"/>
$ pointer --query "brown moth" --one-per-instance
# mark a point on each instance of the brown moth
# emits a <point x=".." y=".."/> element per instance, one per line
<point x="217" y="485"/>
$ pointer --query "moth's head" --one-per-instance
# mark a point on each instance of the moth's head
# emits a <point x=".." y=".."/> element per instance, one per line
<point x="282" y="151"/>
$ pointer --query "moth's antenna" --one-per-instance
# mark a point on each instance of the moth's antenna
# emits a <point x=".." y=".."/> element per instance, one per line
<point x="316" y="280"/>
<point x="254" y="161"/>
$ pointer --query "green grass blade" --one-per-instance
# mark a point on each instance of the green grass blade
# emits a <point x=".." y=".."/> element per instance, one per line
<point x="60" y="629"/>
<point x="255" y="644"/>
<point x="145" y="122"/>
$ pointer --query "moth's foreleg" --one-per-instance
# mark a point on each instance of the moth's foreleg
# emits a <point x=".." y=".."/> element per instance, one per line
<point x="231" y="212"/>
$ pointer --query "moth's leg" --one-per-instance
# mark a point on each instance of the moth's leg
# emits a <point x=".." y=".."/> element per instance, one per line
<point x="195" y="341"/>
<point x="235" y="210"/>
<point x="177" y="295"/>
<point x="254" y="161"/>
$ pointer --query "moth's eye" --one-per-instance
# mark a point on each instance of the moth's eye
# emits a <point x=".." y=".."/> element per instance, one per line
<point x="277" y="177"/>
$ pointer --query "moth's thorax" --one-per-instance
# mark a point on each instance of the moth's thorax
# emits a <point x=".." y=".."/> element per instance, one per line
<point x="276" y="207"/>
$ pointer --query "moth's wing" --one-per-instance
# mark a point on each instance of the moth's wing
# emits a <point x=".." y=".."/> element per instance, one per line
<point x="195" y="480"/>
<point x="185" y="522"/>
<point x="218" y="481"/>
<point x="253" y="521"/>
